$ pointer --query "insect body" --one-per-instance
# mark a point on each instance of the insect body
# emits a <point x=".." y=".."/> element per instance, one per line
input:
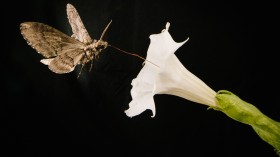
<point x="62" y="53"/>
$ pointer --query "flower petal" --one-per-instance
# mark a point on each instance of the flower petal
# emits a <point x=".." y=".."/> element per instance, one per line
<point x="161" y="46"/>
<point x="169" y="76"/>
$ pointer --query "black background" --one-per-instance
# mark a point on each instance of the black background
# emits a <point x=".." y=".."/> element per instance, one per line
<point x="233" y="45"/>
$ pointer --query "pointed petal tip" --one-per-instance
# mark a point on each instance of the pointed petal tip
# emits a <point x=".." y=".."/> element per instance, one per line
<point x="167" y="26"/>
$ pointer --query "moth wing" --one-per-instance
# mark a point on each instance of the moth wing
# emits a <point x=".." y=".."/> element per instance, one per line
<point x="64" y="63"/>
<point x="46" y="61"/>
<point x="47" y="40"/>
<point x="79" y="31"/>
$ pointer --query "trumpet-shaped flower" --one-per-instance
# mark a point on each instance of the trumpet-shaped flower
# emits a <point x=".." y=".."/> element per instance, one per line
<point x="166" y="76"/>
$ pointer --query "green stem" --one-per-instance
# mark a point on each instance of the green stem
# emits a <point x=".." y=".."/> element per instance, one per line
<point x="239" y="110"/>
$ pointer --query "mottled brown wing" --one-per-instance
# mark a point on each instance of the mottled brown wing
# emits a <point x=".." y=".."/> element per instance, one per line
<point x="79" y="31"/>
<point x="66" y="62"/>
<point x="47" y="40"/>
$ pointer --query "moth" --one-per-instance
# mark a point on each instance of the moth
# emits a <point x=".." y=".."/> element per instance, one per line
<point x="63" y="53"/>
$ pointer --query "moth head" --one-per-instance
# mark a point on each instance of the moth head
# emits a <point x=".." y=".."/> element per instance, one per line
<point x="101" y="45"/>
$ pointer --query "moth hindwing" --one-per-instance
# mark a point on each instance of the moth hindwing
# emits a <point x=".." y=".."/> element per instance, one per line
<point x="62" y="53"/>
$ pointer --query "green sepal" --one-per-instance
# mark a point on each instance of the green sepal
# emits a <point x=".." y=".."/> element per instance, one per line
<point x="244" y="112"/>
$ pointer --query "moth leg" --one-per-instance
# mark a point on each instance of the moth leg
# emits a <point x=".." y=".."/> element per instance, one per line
<point x="81" y="70"/>
<point x="86" y="55"/>
<point x="91" y="62"/>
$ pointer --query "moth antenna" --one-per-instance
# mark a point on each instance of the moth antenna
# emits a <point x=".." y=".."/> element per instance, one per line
<point x="81" y="70"/>
<point x="133" y="54"/>
<point x="105" y="30"/>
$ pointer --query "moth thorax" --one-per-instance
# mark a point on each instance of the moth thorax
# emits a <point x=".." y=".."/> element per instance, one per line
<point x="90" y="55"/>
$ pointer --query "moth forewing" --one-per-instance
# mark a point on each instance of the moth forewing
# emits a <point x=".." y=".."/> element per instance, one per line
<point x="79" y="31"/>
<point x="61" y="50"/>
<point x="47" y="40"/>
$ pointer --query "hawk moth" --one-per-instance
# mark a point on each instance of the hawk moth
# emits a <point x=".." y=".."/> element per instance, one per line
<point x="62" y="53"/>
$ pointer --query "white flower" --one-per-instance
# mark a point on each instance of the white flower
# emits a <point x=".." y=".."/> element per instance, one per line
<point x="167" y="76"/>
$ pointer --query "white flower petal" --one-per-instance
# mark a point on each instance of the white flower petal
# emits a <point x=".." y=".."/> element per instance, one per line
<point x="141" y="103"/>
<point x="161" y="46"/>
<point x="168" y="77"/>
